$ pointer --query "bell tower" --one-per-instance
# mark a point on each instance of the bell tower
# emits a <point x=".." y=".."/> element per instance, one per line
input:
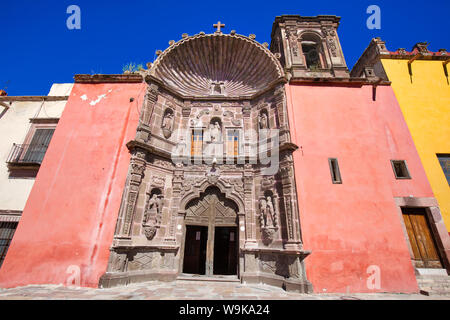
<point x="309" y="47"/>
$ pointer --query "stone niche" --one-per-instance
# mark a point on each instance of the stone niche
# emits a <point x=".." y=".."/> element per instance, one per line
<point x="193" y="174"/>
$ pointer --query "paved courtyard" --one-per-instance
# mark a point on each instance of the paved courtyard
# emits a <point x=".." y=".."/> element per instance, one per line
<point x="189" y="290"/>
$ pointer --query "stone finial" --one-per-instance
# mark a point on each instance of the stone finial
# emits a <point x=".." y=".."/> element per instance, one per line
<point x="265" y="45"/>
<point x="184" y="35"/>
<point x="233" y="32"/>
<point x="158" y="52"/>
<point x="202" y="33"/>
<point x="252" y="36"/>
<point x="278" y="55"/>
<point x="149" y="65"/>
<point x="171" y="42"/>
<point x="421" y="47"/>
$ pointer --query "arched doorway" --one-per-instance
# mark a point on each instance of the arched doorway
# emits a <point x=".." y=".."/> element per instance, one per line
<point x="211" y="235"/>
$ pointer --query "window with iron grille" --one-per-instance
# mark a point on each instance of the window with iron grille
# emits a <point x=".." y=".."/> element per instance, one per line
<point x="38" y="145"/>
<point x="444" y="160"/>
<point x="33" y="150"/>
<point x="7" y="230"/>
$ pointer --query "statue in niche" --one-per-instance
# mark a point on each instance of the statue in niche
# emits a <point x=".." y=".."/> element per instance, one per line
<point x="215" y="132"/>
<point x="268" y="219"/>
<point x="270" y="212"/>
<point x="152" y="215"/>
<point x="213" y="139"/>
<point x="267" y="212"/>
<point x="167" y="124"/>
<point x="263" y="121"/>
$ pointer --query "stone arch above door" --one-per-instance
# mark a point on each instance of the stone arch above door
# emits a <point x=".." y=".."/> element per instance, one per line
<point x="230" y="187"/>
<point x="212" y="205"/>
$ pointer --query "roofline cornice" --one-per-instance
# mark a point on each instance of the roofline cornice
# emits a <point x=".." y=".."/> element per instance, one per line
<point x="109" y="78"/>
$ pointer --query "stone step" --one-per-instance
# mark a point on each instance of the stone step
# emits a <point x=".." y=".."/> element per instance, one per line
<point x="189" y="277"/>
<point x="434" y="285"/>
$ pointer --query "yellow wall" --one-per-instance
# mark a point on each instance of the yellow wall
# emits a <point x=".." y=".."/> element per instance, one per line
<point x="425" y="103"/>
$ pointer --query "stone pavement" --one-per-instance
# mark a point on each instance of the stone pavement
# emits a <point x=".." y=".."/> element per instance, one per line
<point x="188" y="290"/>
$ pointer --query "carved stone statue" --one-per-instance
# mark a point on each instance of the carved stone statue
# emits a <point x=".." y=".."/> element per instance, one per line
<point x="270" y="213"/>
<point x="268" y="219"/>
<point x="167" y="124"/>
<point x="216" y="132"/>
<point x="263" y="209"/>
<point x="153" y="208"/>
<point x="152" y="216"/>
<point x="267" y="212"/>
<point x="263" y="121"/>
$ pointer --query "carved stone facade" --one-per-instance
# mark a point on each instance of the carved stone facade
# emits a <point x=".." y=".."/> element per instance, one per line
<point x="211" y="157"/>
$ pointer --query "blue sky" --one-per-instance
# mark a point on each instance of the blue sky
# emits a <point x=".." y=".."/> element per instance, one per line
<point x="38" y="49"/>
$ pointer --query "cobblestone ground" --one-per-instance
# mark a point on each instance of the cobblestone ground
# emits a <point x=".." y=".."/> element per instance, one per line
<point x="188" y="290"/>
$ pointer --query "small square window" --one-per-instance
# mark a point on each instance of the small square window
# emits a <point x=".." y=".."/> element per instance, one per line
<point x="334" y="169"/>
<point x="400" y="169"/>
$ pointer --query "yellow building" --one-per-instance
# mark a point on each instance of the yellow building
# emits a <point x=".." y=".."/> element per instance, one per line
<point x="420" y="80"/>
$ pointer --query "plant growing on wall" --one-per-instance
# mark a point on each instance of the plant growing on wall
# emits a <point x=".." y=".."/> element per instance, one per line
<point x="131" y="67"/>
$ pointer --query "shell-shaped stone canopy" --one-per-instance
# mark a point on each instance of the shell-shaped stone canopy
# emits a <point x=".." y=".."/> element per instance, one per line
<point x="217" y="65"/>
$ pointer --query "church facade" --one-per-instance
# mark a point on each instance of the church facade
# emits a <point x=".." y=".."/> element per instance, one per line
<point x="230" y="160"/>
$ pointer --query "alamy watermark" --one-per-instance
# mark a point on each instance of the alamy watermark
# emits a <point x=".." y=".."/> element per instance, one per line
<point x="198" y="146"/>
<point x="374" y="20"/>
<point x="74" y="278"/>
<point x="74" y="20"/>
<point x="374" y="279"/>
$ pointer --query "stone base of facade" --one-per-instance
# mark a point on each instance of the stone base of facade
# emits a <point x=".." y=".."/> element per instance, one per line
<point x="114" y="279"/>
<point x="288" y="284"/>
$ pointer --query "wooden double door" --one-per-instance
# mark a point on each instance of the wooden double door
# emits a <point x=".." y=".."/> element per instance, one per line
<point x="210" y="251"/>
<point x="425" y="250"/>
<point x="211" y="237"/>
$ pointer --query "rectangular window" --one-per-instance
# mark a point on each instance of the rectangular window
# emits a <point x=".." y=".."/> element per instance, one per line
<point x="24" y="159"/>
<point x="233" y="142"/>
<point x="444" y="160"/>
<point x="197" y="143"/>
<point x="334" y="169"/>
<point x="35" y="151"/>
<point x="7" y="230"/>
<point x="400" y="169"/>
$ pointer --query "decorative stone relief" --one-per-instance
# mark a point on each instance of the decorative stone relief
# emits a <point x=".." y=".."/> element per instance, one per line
<point x="213" y="175"/>
<point x="117" y="262"/>
<point x="291" y="34"/>
<point x="230" y="114"/>
<point x="330" y="35"/>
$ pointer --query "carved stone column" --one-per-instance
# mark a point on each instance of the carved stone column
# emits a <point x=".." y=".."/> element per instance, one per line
<point x="290" y="200"/>
<point x="177" y="184"/>
<point x="136" y="172"/>
<point x="250" y="226"/>
<point x="152" y="98"/>
<point x="143" y="129"/>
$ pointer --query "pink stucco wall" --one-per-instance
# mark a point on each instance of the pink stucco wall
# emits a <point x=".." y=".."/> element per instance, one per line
<point x="69" y="219"/>
<point x="354" y="225"/>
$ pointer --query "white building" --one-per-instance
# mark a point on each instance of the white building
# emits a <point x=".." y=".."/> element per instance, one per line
<point x="27" y="124"/>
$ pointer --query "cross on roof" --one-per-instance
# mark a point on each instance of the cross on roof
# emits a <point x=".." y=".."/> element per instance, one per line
<point x="218" y="25"/>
